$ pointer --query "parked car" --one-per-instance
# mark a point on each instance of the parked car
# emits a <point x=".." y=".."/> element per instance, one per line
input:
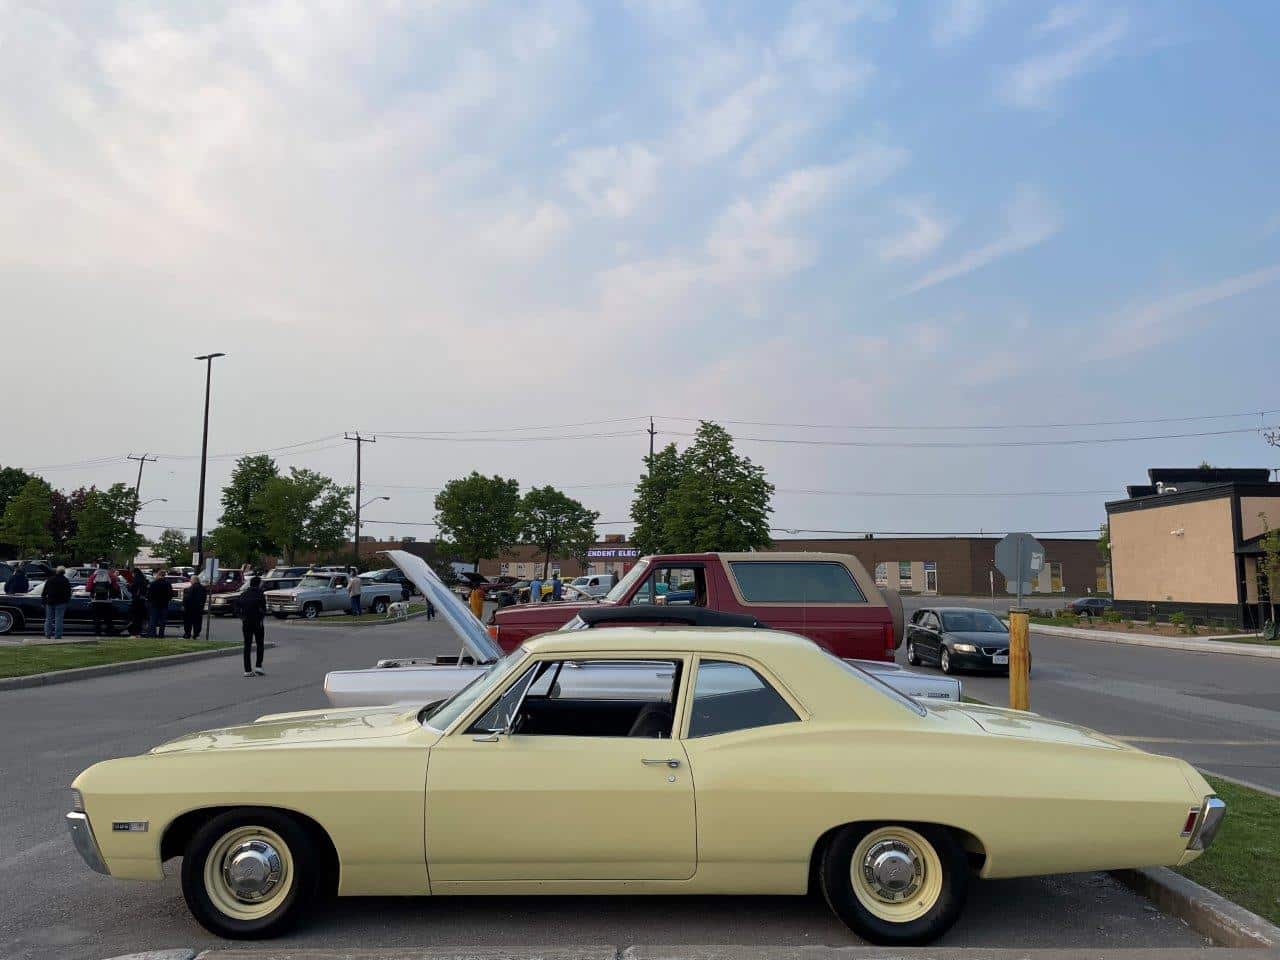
<point x="25" y="611"/>
<point x="959" y="638"/>
<point x="317" y="592"/>
<point x="392" y="576"/>
<point x="827" y="597"/>
<point x="229" y="580"/>
<point x="285" y="573"/>
<point x="411" y="680"/>
<point x="763" y="766"/>
<point x="36" y="570"/>
<point x="226" y="604"/>
<point x="596" y="584"/>
<point x="1090" y="606"/>
<point x="79" y="575"/>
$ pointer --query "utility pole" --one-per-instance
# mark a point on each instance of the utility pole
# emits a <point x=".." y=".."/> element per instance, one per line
<point x="360" y="442"/>
<point x="651" y="432"/>
<point x="208" y="359"/>
<point x="137" y="489"/>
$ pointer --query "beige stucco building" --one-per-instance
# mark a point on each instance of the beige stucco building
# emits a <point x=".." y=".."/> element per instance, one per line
<point x="1190" y="541"/>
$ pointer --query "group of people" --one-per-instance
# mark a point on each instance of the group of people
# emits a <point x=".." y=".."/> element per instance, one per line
<point x="536" y="594"/>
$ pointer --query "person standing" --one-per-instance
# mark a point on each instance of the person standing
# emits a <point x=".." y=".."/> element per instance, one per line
<point x="193" y="601"/>
<point x="535" y="590"/>
<point x="354" y="586"/>
<point x="557" y="586"/>
<point x="103" y="587"/>
<point x="159" y="593"/>
<point x="253" y="611"/>
<point x="137" y="603"/>
<point x="18" y="582"/>
<point x="476" y="601"/>
<point x="56" y="596"/>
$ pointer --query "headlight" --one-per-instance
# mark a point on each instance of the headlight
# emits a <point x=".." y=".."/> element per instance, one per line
<point x="77" y="801"/>
<point x="964" y="648"/>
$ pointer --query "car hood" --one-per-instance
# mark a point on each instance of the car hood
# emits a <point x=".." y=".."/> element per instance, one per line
<point x="465" y="625"/>
<point x="297" y="729"/>
<point x="979" y="638"/>
<point x="1027" y="726"/>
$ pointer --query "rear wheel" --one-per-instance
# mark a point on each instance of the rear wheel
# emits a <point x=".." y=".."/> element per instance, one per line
<point x="249" y="873"/>
<point x="896" y="884"/>
<point x="7" y="622"/>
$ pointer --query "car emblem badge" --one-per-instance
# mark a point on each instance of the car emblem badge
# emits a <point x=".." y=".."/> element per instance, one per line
<point x="129" y="826"/>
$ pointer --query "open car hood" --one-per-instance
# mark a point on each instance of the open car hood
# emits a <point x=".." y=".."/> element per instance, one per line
<point x="482" y="647"/>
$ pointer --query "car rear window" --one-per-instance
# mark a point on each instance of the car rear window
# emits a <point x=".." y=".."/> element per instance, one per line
<point x="796" y="582"/>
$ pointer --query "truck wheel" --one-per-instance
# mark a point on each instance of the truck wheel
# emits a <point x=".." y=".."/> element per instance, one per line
<point x="7" y="622"/>
<point x="895" y="884"/>
<point x="380" y="605"/>
<point x="311" y="610"/>
<point x="912" y="657"/>
<point x="249" y="873"/>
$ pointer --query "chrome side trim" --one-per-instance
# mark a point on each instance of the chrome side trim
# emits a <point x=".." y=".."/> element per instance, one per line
<point x="1211" y="814"/>
<point x="85" y="843"/>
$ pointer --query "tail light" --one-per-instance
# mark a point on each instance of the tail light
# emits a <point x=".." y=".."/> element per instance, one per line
<point x="889" y="645"/>
<point x="493" y="631"/>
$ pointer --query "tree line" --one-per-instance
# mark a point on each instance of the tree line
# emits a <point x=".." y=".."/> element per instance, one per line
<point x="707" y="497"/>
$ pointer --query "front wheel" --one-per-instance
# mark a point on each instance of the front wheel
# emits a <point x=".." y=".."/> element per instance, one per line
<point x="912" y="657"/>
<point x="896" y="884"/>
<point x="311" y="611"/>
<point x="7" y="622"/>
<point x="946" y="660"/>
<point x="380" y="606"/>
<point x="249" y="873"/>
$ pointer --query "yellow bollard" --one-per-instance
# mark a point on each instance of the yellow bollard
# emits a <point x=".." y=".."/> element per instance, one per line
<point x="1019" y="660"/>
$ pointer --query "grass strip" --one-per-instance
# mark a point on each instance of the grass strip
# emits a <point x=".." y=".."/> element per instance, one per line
<point x="1243" y="864"/>
<point x="22" y="661"/>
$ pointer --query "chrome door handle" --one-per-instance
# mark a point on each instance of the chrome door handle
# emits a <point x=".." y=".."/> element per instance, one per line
<point x="668" y="762"/>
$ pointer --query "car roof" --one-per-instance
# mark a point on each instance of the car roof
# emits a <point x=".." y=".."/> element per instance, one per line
<point x="958" y="609"/>
<point x="677" y="639"/>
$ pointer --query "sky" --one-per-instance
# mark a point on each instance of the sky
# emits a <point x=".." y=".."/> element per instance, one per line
<point x="842" y="229"/>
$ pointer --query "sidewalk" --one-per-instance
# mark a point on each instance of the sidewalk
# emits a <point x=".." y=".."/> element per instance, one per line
<point x="1190" y="644"/>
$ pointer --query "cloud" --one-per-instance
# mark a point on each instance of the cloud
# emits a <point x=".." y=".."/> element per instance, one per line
<point x="613" y="181"/>
<point x="924" y="234"/>
<point x="1035" y="82"/>
<point x="1030" y="220"/>
<point x="1062" y="16"/>
<point x="1147" y="325"/>
<point x="955" y="21"/>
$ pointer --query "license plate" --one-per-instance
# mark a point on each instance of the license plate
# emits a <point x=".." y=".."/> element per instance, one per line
<point x="1000" y="659"/>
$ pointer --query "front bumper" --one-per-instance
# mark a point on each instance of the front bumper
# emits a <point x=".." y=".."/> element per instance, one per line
<point x="85" y="843"/>
<point x="979" y="660"/>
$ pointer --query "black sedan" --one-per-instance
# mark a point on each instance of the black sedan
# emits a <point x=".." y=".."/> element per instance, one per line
<point x="25" y="611"/>
<point x="1090" y="606"/>
<point x="958" y="638"/>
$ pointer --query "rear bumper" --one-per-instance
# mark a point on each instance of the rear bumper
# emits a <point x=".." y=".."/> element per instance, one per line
<point x="85" y="843"/>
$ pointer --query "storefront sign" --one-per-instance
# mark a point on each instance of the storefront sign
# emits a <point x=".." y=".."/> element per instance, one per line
<point x="612" y="553"/>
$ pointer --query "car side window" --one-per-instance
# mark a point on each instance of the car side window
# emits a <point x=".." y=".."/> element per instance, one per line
<point x="929" y="621"/>
<point x="795" y="581"/>
<point x="731" y="696"/>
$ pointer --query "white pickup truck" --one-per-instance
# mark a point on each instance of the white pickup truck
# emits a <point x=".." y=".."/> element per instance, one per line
<point x="413" y="680"/>
<point x="320" y="591"/>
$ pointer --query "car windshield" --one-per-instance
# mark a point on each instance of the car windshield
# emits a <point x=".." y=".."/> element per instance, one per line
<point x="440" y="717"/>
<point x="973" y="621"/>
<point x="623" y="586"/>
<point x="878" y="685"/>
<point x="36" y="589"/>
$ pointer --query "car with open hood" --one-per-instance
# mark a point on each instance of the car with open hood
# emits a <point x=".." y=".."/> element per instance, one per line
<point x="760" y="765"/>
<point x="422" y="679"/>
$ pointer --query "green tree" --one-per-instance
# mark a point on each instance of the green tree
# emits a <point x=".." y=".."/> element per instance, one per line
<point x="104" y="524"/>
<point x="304" y="511"/>
<point x="557" y="523"/>
<point x="1269" y="562"/>
<point x="655" y="494"/>
<point x="232" y="546"/>
<point x="62" y="522"/>
<point x="480" y="515"/>
<point x="26" y="518"/>
<point x="721" y="500"/>
<point x="12" y="480"/>
<point x="174" y="547"/>
<point x="248" y="480"/>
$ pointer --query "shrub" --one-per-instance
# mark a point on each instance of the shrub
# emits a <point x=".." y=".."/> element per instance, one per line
<point x="1151" y="622"/>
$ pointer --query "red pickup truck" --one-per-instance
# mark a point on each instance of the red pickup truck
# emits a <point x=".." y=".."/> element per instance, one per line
<point x="827" y="597"/>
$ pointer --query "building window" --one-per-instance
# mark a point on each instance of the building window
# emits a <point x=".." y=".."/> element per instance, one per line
<point x="1055" y="578"/>
<point x="882" y="574"/>
<point x="904" y="574"/>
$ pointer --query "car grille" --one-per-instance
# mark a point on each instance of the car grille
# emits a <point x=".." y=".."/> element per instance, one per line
<point x="992" y="651"/>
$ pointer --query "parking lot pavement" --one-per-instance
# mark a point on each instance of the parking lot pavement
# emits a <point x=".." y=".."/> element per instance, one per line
<point x="52" y="905"/>
<point x="1217" y="711"/>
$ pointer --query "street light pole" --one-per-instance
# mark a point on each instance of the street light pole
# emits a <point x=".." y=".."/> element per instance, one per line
<point x="208" y="358"/>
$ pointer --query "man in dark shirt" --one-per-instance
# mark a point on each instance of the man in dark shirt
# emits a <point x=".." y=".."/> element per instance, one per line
<point x="159" y="593"/>
<point x="253" y="610"/>
<point x="193" y="601"/>
<point x="56" y="595"/>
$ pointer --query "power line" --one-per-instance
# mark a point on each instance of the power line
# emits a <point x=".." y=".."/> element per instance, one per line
<point x="988" y="426"/>
<point x="962" y="444"/>
<point x="447" y="438"/>
<point x="929" y="533"/>
<point x="545" y="426"/>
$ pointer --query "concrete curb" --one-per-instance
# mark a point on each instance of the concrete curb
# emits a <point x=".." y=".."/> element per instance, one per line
<point x="109" y="669"/>
<point x="1225" y="923"/>
<point x="1164" y="643"/>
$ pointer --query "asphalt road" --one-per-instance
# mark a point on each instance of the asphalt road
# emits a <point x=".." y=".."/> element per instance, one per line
<point x="51" y="905"/>
<point x="1219" y="712"/>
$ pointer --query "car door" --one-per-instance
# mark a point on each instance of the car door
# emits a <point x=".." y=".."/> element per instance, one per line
<point x="563" y="805"/>
<point x="929" y="642"/>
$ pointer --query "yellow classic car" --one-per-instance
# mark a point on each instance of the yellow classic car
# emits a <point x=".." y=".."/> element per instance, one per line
<point x="757" y="764"/>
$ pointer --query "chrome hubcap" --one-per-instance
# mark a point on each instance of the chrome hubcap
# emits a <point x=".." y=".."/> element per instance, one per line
<point x="893" y="870"/>
<point x="252" y="870"/>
